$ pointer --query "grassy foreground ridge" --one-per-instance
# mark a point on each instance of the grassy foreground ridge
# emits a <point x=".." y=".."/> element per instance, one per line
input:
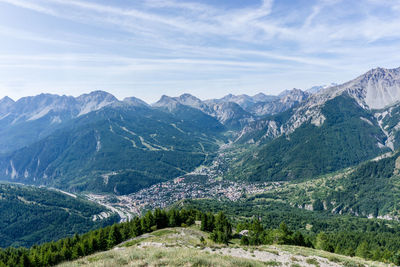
<point x="216" y="229"/>
<point x="190" y="247"/>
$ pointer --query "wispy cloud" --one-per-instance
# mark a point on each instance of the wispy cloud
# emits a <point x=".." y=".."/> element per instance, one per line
<point x="189" y="40"/>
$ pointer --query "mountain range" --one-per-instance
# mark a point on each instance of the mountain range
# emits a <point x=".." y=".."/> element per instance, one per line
<point x="324" y="162"/>
<point x="96" y="142"/>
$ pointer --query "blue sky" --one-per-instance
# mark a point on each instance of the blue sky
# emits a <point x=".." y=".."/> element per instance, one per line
<point x="209" y="48"/>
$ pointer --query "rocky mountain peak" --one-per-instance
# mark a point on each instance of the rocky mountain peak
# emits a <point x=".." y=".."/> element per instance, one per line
<point x="192" y="101"/>
<point x="95" y="101"/>
<point x="164" y="100"/>
<point x="98" y="96"/>
<point x="167" y="102"/>
<point x="6" y="100"/>
<point x="5" y="105"/>
<point x="134" y="101"/>
<point x="319" y="88"/>
<point x="376" y="89"/>
<point x="295" y="94"/>
<point x="261" y="97"/>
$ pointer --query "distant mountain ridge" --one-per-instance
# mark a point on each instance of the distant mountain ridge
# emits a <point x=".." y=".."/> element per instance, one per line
<point x="318" y="88"/>
<point x="31" y="118"/>
<point x="237" y="110"/>
<point x="36" y="107"/>
<point x="315" y="137"/>
<point x="108" y="144"/>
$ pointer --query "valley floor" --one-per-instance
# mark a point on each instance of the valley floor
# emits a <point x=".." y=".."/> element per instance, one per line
<point x="182" y="247"/>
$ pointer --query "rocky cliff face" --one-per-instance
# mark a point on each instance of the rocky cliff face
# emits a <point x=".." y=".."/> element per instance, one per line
<point x="284" y="101"/>
<point x="228" y="113"/>
<point x="377" y="91"/>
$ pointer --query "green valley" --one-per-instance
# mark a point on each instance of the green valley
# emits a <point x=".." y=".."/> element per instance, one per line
<point x="118" y="150"/>
<point x="31" y="215"/>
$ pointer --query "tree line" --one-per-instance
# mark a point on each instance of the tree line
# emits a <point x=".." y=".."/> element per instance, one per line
<point x="376" y="246"/>
<point x="71" y="248"/>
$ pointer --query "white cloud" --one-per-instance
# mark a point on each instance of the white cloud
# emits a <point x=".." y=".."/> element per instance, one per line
<point x="189" y="41"/>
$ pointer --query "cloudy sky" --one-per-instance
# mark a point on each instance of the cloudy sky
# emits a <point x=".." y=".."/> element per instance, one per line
<point x="209" y="48"/>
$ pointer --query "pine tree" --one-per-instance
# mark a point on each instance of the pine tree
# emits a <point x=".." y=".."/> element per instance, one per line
<point x="77" y="251"/>
<point x="136" y="228"/>
<point x="36" y="260"/>
<point x="322" y="242"/>
<point x="114" y="236"/>
<point x="25" y="261"/>
<point x="93" y="244"/>
<point x="172" y="218"/>
<point x="66" y="252"/>
<point x="223" y="229"/>
<point x="363" y="250"/>
<point x="147" y="222"/>
<point x="160" y="218"/>
<point x="102" y="239"/>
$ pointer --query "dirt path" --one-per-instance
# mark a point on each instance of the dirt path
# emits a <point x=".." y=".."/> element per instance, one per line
<point x="274" y="255"/>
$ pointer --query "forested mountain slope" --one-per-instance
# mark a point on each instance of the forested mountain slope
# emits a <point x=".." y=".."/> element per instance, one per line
<point x="370" y="189"/>
<point x="117" y="149"/>
<point x="348" y="136"/>
<point x="30" y="215"/>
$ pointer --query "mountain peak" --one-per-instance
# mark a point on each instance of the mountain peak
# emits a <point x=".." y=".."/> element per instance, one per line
<point x="192" y="101"/>
<point x="288" y="92"/>
<point x="187" y="95"/>
<point x="6" y="104"/>
<point x="318" y="88"/>
<point x="97" y="94"/>
<point x="165" y="99"/>
<point x="6" y="100"/>
<point x="94" y="101"/>
<point x="134" y="101"/>
<point x="167" y="102"/>
<point x="377" y="88"/>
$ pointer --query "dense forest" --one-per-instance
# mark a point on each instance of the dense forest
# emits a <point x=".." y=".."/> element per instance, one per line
<point x="31" y="215"/>
<point x="348" y="191"/>
<point x="379" y="245"/>
<point x="71" y="248"/>
<point x="341" y="234"/>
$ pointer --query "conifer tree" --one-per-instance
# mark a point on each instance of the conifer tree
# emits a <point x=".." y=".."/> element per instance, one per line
<point x="114" y="236"/>
<point x="102" y="239"/>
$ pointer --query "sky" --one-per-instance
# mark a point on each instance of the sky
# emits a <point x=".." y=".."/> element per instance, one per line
<point x="209" y="48"/>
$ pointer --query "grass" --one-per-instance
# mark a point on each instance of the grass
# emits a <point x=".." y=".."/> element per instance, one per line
<point x="313" y="261"/>
<point x="273" y="263"/>
<point x="162" y="257"/>
<point x="181" y="247"/>
<point x="336" y="258"/>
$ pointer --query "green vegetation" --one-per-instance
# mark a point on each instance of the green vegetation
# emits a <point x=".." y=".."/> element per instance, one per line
<point x="217" y="226"/>
<point x="348" y="191"/>
<point x="343" y="140"/>
<point x="162" y="257"/>
<point x="390" y="122"/>
<point x="30" y="215"/>
<point x="182" y="246"/>
<point x="106" y="238"/>
<point x="118" y="150"/>
<point x="341" y="234"/>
